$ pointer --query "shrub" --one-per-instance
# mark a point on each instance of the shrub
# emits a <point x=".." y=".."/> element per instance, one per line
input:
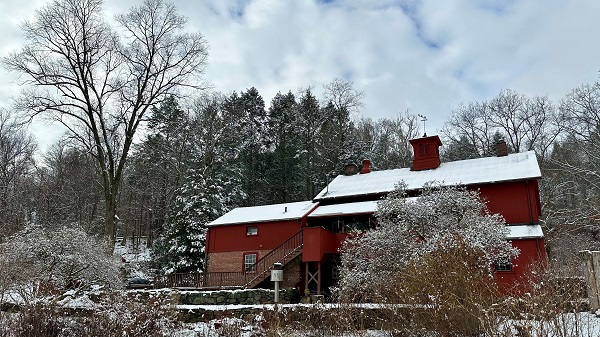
<point x="411" y="229"/>
<point x="52" y="259"/>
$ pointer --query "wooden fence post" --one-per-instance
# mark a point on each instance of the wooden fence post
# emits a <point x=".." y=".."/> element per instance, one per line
<point x="591" y="273"/>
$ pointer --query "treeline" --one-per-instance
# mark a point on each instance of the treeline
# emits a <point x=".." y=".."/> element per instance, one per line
<point x="198" y="159"/>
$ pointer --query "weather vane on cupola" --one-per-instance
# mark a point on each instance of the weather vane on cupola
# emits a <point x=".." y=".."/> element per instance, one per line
<point x="423" y="119"/>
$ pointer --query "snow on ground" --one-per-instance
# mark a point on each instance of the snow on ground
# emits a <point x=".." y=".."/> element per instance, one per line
<point x="581" y="324"/>
<point x="74" y="300"/>
<point x="135" y="250"/>
<point x="571" y="324"/>
<point x="135" y="256"/>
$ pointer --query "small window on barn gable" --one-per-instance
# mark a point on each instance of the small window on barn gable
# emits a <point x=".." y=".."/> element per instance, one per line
<point x="252" y="230"/>
<point x="250" y="262"/>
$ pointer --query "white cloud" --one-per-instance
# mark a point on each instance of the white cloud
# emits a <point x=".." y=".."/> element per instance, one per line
<point x="427" y="55"/>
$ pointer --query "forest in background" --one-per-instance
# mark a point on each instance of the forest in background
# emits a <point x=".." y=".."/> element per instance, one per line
<point x="150" y="151"/>
<point x="200" y="159"/>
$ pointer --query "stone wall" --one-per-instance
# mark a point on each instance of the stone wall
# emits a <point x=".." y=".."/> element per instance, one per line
<point x="232" y="297"/>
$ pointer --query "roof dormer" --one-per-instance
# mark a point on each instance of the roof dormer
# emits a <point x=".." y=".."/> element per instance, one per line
<point x="426" y="153"/>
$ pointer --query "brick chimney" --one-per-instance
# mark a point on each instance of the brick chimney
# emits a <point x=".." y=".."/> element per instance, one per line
<point x="426" y="152"/>
<point x="366" y="166"/>
<point x="501" y="148"/>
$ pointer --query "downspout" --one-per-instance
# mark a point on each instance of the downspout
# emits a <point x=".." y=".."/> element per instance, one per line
<point x="529" y="201"/>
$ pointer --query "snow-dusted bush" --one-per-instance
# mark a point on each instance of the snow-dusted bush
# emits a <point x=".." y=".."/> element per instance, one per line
<point x="55" y="258"/>
<point x="410" y="229"/>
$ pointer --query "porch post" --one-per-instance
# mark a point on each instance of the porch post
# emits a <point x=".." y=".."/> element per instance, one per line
<point x="319" y="278"/>
<point x="306" y="275"/>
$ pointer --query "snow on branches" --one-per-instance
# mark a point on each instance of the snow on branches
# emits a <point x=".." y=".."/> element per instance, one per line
<point x="410" y="229"/>
<point x="56" y="258"/>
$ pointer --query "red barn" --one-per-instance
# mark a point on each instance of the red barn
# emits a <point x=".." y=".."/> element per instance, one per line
<point x="244" y="243"/>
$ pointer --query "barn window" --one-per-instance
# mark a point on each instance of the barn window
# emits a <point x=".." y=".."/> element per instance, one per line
<point x="503" y="265"/>
<point x="250" y="262"/>
<point x="251" y="230"/>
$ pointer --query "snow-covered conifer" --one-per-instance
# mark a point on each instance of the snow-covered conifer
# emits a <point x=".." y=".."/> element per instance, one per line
<point x="202" y="199"/>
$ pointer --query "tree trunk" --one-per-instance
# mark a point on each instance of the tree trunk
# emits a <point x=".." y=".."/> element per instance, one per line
<point x="110" y="229"/>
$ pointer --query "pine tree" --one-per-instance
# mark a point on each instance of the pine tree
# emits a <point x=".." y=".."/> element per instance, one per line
<point x="284" y="139"/>
<point x="202" y="199"/>
<point x="310" y="121"/>
<point x="211" y="187"/>
<point x="459" y="149"/>
<point x="159" y="165"/>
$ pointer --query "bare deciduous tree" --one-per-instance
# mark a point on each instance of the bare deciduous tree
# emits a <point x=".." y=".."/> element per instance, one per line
<point x="16" y="162"/>
<point x="343" y="96"/>
<point x="386" y="141"/>
<point x="100" y="84"/>
<point x="525" y="123"/>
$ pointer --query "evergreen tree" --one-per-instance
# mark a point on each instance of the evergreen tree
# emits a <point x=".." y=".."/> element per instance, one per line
<point x="248" y="110"/>
<point x="159" y="165"/>
<point x="310" y="121"/>
<point x="284" y="140"/>
<point x="459" y="149"/>
<point x="212" y="186"/>
<point x="202" y="199"/>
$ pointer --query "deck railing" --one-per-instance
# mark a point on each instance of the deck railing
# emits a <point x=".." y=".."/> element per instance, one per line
<point x="285" y="252"/>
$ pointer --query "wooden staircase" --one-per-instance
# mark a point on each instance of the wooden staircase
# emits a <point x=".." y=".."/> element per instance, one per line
<point x="284" y="253"/>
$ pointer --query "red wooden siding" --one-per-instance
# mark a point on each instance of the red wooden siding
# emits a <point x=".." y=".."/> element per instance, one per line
<point x="518" y="202"/>
<point x="233" y="238"/>
<point x="318" y="242"/>
<point x="532" y="255"/>
<point x="426" y="153"/>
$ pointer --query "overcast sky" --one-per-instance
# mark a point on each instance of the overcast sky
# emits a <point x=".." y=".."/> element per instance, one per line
<point x="426" y="56"/>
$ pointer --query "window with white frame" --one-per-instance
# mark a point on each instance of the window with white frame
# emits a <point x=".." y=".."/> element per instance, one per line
<point x="251" y="230"/>
<point x="250" y="262"/>
<point x="502" y="265"/>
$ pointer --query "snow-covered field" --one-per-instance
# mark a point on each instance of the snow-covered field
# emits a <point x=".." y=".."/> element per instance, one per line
<point x="581" y="324"/>
<point x="566" y="325"/>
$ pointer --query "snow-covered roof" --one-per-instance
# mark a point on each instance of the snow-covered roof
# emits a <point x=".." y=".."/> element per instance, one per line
<point x="277" y="212"/>
<point x="364" y="207"/>
<point x="525" y="232"/>
<point x="515" y="166"/>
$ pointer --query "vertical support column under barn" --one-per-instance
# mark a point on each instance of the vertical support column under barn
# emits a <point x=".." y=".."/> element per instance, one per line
<point x="307" y="277"/>
<point x="313" y="277"/>
<point x="319" y="278"/>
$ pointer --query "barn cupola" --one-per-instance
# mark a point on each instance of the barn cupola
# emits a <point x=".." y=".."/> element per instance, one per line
<point x="426" y="153"/>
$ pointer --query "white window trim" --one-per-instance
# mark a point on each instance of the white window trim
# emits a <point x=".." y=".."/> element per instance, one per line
<point x="249" y="265"/>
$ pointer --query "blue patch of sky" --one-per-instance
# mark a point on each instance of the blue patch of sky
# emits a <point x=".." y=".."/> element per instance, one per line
<point x="459" y="74"/>
<point x="410" y="9"/>
<point x="497" y="7"/>
<point x="238" y="9"/>
<point x="348" y="75"/>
